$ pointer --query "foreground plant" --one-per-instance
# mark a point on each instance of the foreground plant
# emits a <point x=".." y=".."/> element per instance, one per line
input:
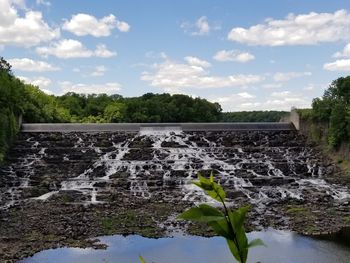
<point x="228" y="224"/>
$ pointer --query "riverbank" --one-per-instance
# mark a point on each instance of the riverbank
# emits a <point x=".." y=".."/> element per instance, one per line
<point x="40" y="226"/>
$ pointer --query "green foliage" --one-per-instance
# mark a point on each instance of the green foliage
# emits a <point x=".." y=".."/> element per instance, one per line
<point x="338" y="125"/>
<point x="38" y="107"/>
<point x="114" y="112"/>
<point x="253" y="116"/>
<point x="228" y="224"/>
<point x="203" y="213"/>
<point x="147" y="108"/>
<point x="321" y="109"/>
<point x="11" y="98"/>
<point x="5" y="67"/>
<point x="214" y="190"/>
<point x="305" y="114"/>
<point x="334" y="109"/>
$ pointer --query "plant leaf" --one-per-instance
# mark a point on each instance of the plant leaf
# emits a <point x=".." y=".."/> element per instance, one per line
<point x="256" y="242"/>
<point x="237" y="217"/>
<point x="141" y="259"/>
<point x="211" y="178"/>
<point x="202" y="213"/>
<point x="221" y="228"/>
<point x="214" y="190"/>
<point x="234" y="250"/>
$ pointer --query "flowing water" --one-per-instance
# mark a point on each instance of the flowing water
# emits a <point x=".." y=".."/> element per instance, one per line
<point x="261" y="167"/>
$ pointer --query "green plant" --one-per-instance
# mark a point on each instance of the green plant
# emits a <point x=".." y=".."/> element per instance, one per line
<point x="228" y="224"/>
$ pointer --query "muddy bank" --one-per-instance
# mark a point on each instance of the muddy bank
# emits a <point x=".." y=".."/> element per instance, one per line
<point x="61" y="189"/>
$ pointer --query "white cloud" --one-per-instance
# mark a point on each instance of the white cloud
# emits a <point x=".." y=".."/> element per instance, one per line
<point x="41" y="82"/>
<point x="65" y="48"/>
<point x="69" y="48"/>
<point x="84" y="24"/>
<point x="43" y="2"/>
<point x="276" y="101"/>
<point x="233" y="55"/>
<point x="304" y="29"/>
<point x="108" y="88"/>
<point x="286" y="103"/>
<point x="99" y="71"/>
<point x="309" y="87"/>
<point x="19" y="3"/>
<point x="102" y="52"/>
<point x="272" y="85"/>
<point x="200" y="28"/>
<point x="172" y="77"/>
<point x="193" y="61"/>
<point x="281" y="94"/>
<point x="344" y="53"/>
<point x="27" y="30"/>
<point x="122" y="26"/>
<point x="286" y="76"/>
<point x="237" y="102"/>
<point x="155" y="55"/>
<point x="285" y="100"/>
<point x="26" y="64"/>
<point x="338" y="65"/>
<point x="246" y="95"/>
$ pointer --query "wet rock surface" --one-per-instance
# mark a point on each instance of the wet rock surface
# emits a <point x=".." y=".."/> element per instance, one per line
<point x="62" y="189"/>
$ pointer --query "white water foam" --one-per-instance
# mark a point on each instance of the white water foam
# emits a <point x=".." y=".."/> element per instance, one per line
<point x="186" y="156"/>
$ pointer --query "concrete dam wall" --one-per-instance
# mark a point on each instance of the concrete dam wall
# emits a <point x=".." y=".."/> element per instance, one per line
<point x="135" y="127"/>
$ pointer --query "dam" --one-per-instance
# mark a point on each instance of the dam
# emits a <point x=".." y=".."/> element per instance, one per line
<point x="69" y="180"/>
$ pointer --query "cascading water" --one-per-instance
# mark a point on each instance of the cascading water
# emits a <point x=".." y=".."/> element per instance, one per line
<point x="160" y="163"/>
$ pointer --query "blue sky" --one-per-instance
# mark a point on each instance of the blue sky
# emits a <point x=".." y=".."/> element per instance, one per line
<point x="246" y="55"/>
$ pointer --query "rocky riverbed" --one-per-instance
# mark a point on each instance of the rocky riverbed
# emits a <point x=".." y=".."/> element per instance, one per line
<point x="64" y="189"/>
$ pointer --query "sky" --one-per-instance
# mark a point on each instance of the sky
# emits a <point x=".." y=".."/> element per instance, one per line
<point x="246" y="55"/>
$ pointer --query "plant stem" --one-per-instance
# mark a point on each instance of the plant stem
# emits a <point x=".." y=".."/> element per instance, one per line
<point x="228" y="220"/>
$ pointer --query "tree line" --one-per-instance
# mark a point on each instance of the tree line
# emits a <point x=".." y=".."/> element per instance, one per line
<point x="333" y="110"/>
<point x="253" y="116"/>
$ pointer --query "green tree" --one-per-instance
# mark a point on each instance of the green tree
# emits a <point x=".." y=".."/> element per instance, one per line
<point x="334" y="109"/>
<point x="5" y="66"/>
<point x="338" y="124"/>
<point x="114" y="112"/>
<point x="11" y="99"/>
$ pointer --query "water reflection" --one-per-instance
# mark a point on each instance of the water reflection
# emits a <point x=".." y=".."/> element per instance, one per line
<point x="283" y="246"/>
